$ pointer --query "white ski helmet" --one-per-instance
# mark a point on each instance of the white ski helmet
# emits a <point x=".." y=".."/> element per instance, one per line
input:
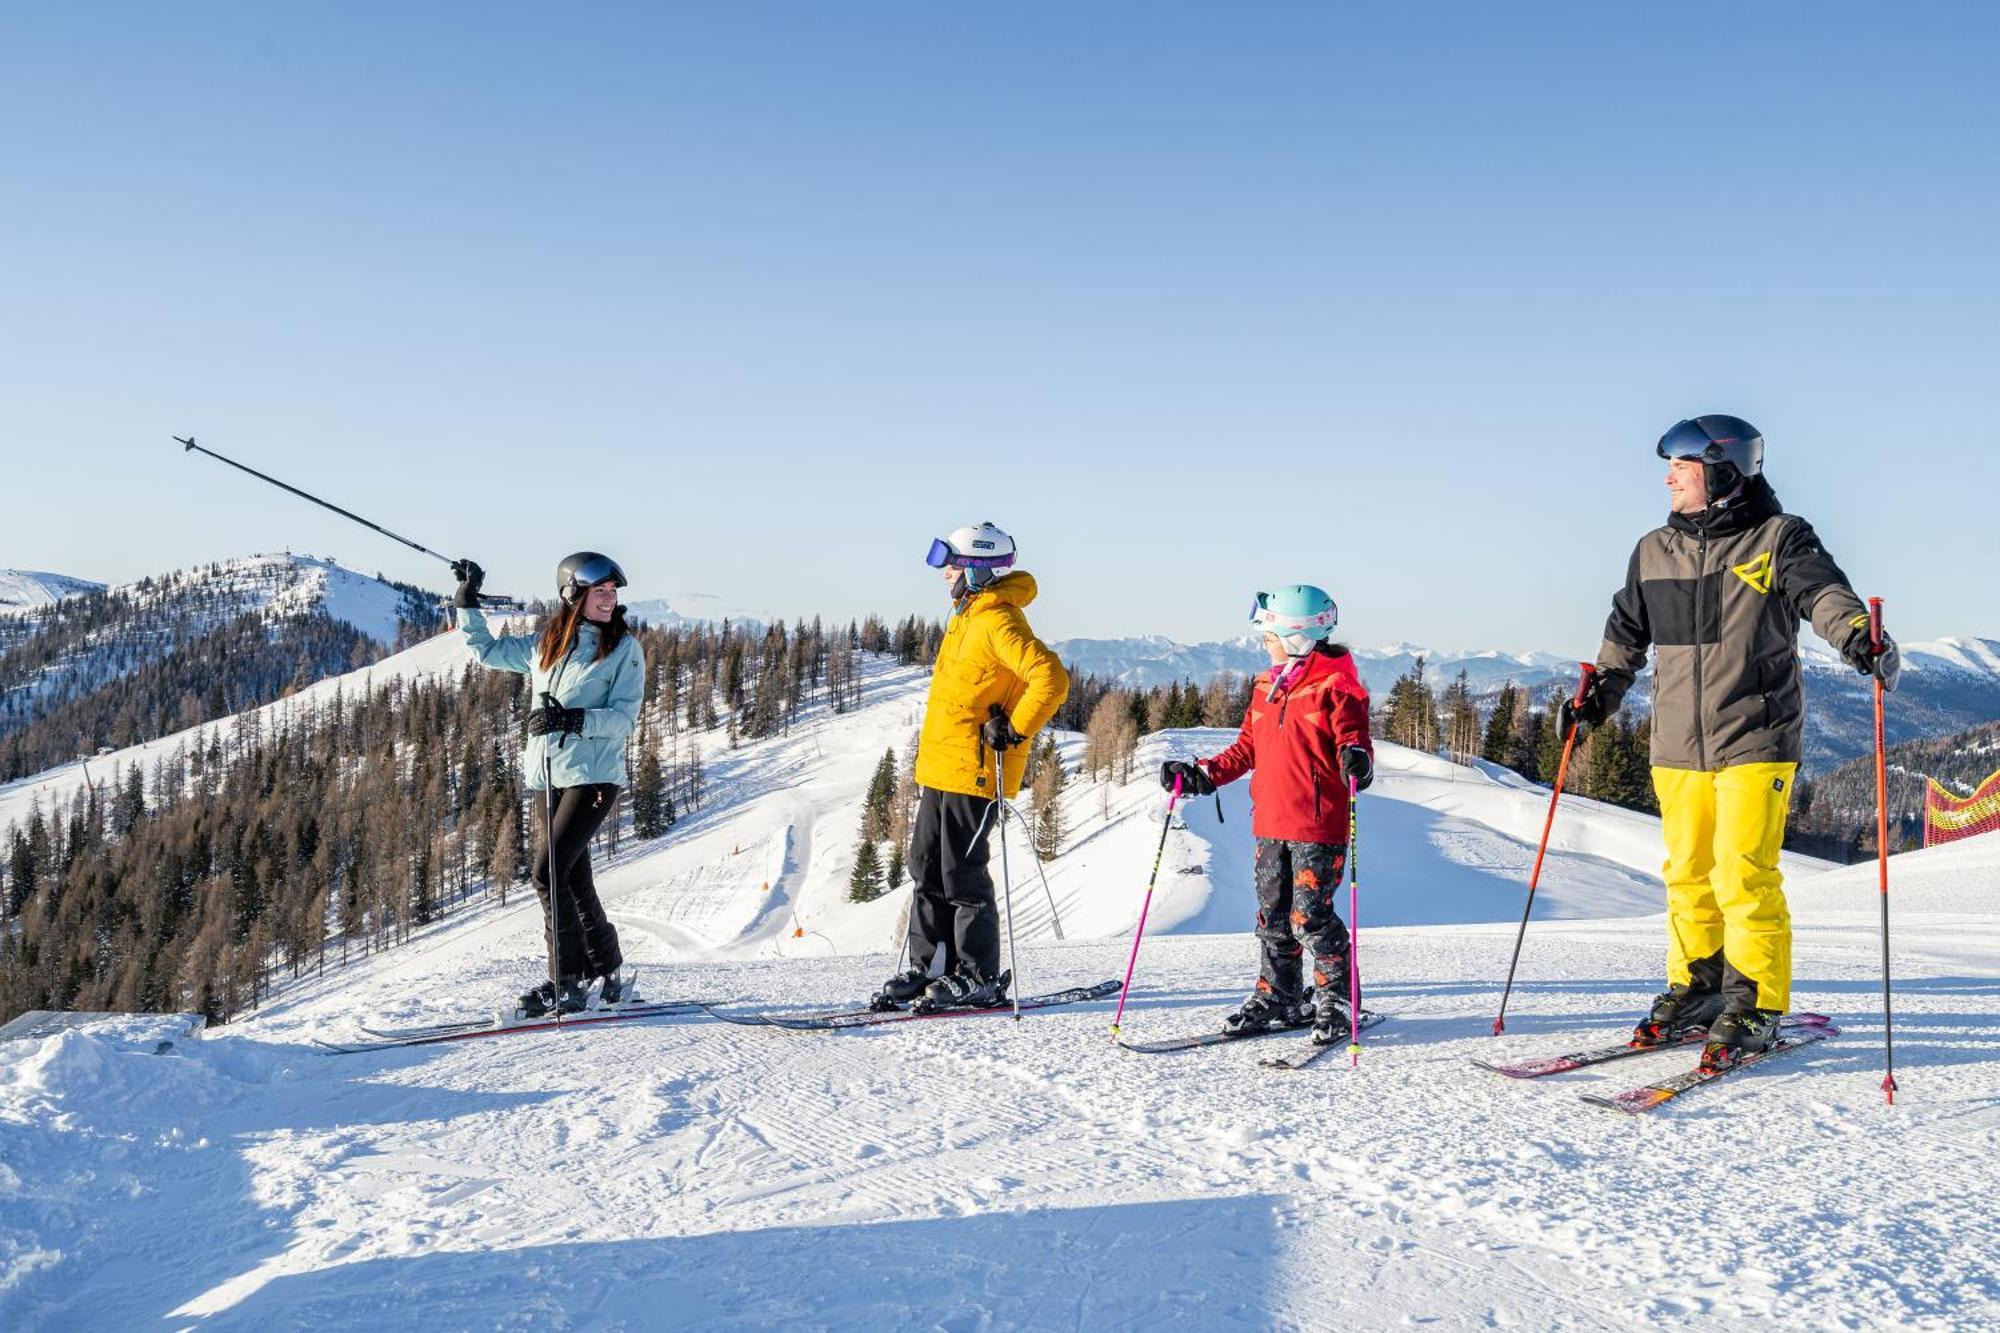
<point x="981" y="550"/>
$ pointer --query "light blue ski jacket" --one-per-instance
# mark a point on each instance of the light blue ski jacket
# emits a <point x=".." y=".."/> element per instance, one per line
<point x="608" y="692"/>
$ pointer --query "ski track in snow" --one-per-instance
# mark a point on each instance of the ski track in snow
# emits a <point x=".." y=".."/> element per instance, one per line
<point x="977" y="1173"/>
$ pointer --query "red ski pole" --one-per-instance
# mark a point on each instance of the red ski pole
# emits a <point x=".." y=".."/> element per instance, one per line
<point x="1118" y="1019"/>
<point x="1353" y="924"/>
<point x="1882" y="857"/>
<point x="1535" y="878"/>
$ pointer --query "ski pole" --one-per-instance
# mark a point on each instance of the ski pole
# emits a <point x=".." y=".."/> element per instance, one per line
<point x="1353" y="923"/>
<point x="1535" y="877"/>
<point x="1882" y="857"/>
<point x="549" y="850"/>
<point x="1007" y="884"/>
<point x="1118" y="1019"/>
<point x="1055" y="917"/>
<point x="190" y="446"/>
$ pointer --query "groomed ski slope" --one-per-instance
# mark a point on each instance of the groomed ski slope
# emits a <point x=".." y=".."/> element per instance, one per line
<point x="974" y="1173"/>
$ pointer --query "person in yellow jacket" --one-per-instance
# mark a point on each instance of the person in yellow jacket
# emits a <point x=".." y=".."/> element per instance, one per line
<point x="1717" y="594"/>
<point x="993" y="687"/>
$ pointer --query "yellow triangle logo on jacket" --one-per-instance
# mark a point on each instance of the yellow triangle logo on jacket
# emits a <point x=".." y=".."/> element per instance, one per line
<point x="1756" y="573"/>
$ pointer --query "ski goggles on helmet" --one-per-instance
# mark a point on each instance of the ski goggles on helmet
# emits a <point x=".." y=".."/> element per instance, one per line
<point x="942" y="556"/>
<point x="1272" y="621"/>
<point x="596" y="570"/>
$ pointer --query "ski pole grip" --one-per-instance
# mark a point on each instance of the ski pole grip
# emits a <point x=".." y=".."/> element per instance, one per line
<point x="1583" y="682"/>
<point x="1875" y="623"/>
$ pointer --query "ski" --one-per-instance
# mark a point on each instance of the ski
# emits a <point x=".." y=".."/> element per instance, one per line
<point x="1637" y="1100"/>
<point x="834" y="1020"/>
<point x="587" y="1018"/>
<point x="1314" y="1051"/>
<point x="1201" y="1040"/>
<point x="1562" y="1064"/>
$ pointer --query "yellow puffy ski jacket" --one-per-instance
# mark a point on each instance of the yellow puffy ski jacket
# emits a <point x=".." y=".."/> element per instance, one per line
<point x="989" y="656"/>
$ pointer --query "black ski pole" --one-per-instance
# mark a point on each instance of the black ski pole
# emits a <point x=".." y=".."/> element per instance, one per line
<point x="189" y="445"/>
<point x="1882" y="857"/>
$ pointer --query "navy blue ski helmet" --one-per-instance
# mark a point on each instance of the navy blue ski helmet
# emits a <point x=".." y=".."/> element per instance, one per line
<point x="1731" y="448"/>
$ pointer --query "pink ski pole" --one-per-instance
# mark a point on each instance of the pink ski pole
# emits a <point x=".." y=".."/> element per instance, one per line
<point x="1118" y="1019"/>
<point x="1353" y="924"/>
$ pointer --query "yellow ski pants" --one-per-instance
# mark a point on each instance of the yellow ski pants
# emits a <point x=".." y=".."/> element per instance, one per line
<point x="1724" y="888"/>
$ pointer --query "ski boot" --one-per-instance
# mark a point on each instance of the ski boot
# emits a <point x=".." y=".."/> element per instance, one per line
<point x="1737" y="1034"/>
<point x="618" y="986"/>
<point x="900" y="989"/>
<point x="1266" y="1013"/>
<point x="1676" y="1010"/>
<point x="1330" y="1023"/>
<point x="572" y="998"/>
<point x="964" y="987"/>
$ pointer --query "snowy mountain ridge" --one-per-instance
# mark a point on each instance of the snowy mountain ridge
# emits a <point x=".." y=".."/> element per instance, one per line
<point x="26" y="589"/>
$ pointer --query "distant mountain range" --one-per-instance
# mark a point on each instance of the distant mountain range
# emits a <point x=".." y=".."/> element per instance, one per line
<point x="1948" y="685"/>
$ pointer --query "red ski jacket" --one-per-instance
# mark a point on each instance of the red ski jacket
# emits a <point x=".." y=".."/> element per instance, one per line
<point x="1297" y="791"/>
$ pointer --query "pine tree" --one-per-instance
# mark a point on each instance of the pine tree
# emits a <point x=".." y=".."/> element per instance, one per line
<point x="875" y="818"/>
<point x="1497" y="746"/>
<point x="649" y="790"/>
<point x="1045" y="801"/>
<point x="865" y="884"/>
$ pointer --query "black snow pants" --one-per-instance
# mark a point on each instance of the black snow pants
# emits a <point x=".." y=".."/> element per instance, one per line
<point x="953" y="908"/>
<point x="1295" y="895"/>
<point x="580" y="938"/>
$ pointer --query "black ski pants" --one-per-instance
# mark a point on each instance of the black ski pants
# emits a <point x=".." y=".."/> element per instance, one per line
<point x="953" y="908"/>
<point x="1296" y="882"/>
<point x="580" y="937"/>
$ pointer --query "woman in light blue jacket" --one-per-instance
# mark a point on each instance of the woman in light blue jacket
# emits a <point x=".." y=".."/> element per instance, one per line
<point x="587" y="676"/>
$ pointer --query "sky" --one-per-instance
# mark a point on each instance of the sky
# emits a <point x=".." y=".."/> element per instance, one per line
<point x="1193" y="299"/>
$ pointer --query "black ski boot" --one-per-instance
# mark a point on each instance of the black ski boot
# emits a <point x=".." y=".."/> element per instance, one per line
<point x="544" y="999"/>
<point x="965" y="988"/>
<point x="617" y="986"/>
<point x="1263" y="1013"/>
<point x="900" y="989"/>
<point x="1330" y="1023"/>
<point x="1737" y="1034"/>
<point x="1676" y="1011"/>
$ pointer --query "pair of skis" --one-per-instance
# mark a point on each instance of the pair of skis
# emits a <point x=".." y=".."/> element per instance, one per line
<point x="807" y="1021"/>
<point x="1795" y="1030"/>
<point x="1312" y="1052"/>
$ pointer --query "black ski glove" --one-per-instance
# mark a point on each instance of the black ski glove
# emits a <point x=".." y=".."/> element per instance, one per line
<point x="553" y="719"/>
<point x="1884" y="663"/>
<point x="998" y="731"/>
<point x="1591" y="712"/>
<point x="1194" y="779"/>
<point x="470" y="578"/>
<point x="1356" y="764"/>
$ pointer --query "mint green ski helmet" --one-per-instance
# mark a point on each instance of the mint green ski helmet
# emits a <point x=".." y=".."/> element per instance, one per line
<point x="1300" y="615"/>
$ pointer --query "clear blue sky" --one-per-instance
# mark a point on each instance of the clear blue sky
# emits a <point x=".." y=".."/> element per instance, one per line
<point x="1195" y="299"/>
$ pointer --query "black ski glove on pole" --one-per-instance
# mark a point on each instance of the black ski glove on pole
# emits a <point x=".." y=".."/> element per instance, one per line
<point x="1194" y="779"/>
<point x="1589" y="713"/>
<point x="470" y="578"/>
<point x="553" y="719"/>
<point x="998" y="731"/>
<point x="1356" y="764"/>
<point x="1884" y="663"/>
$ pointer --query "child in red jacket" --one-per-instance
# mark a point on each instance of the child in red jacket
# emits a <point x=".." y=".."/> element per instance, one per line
<point x="1305" y="735"/>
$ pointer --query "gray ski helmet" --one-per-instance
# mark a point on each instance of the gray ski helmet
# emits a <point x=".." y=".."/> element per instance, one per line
<point x="1730" y="447"/>
<point x="585" y="569"/>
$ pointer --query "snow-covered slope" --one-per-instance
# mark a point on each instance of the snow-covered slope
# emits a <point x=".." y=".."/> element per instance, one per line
<point x="25" y="589"/>
<point x="286" y="584"/>
<point x="977" y="1173"/>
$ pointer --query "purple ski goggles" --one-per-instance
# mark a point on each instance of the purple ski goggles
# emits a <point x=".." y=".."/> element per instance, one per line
<point x="941" y="555"/>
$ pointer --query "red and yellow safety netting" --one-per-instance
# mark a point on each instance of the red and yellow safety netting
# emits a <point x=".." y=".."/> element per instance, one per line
<point x="1948" y="818"/>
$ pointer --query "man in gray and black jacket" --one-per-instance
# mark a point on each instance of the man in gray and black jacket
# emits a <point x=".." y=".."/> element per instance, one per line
<point x="1718" y="593"/>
